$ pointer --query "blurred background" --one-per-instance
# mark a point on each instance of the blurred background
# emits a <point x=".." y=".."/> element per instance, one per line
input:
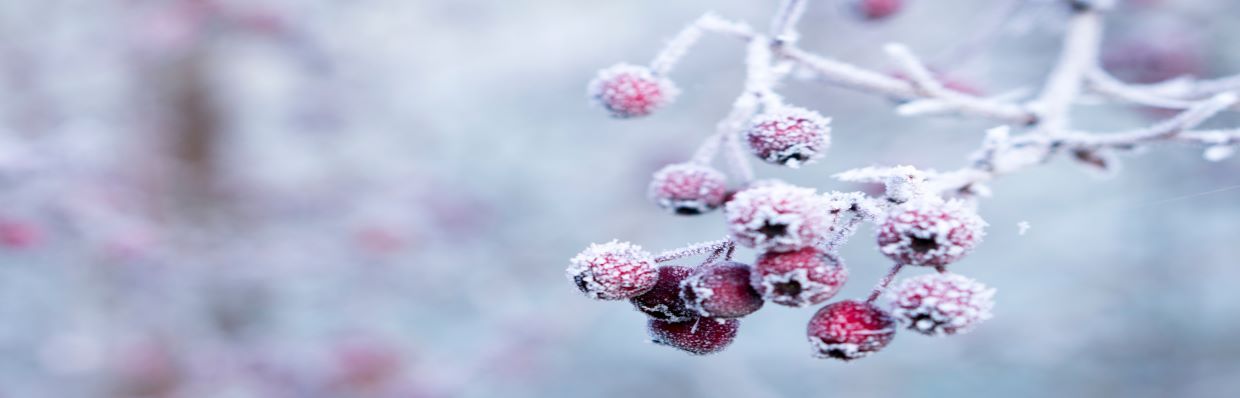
<point x="377" y="198"/>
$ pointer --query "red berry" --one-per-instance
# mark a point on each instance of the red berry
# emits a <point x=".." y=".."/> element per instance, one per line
<point x="16" y="234"/>
<point x="700" y="336"/>
<point x="798" y="278"/>
<point x="688" y="188"/>
<point x="613" y="271"/>
<point x="873" y="10"/>
<point x="789" y="136"/>
<point x="663" y="301"/>
<point x="721" y="290"/>
<point x="778" y="217"/>
<point x="941" y="304"/>
<point x="849" y="330"/>
<point x="630" y="91"/>
<point x="930" y="233"/>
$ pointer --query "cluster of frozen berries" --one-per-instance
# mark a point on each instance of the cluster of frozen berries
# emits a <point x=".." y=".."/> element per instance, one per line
<point x="796" y="230"/>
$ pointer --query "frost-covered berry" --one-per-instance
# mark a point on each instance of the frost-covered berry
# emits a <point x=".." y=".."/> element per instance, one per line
<point x="778" y="217"/>
<point x="663" y="301"/>
<point x="700" y="336"/>
<point x="849" y="330"/>
<point x="798" y="278"/>
<point x="941" y="304"/>
<point x="789" y="136"/>
<point x="721" y="290"/>
<point x="874" y="10"/>
<point x="930" y="233"/>
<point x="688" y="188"/>
<point x="630" y="91"/>
<point x="613" y="271"/>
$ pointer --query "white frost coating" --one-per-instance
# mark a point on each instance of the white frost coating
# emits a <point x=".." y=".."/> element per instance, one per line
<point x="809" y="288"/>
<point x="903" y="183"/>
<point x="789" y="136"/>
<point x="778" y="217"/>
<point x="930" y="232"/>
<point x="1218" y="153"/>
<point x="941" y="304"/>
<point x="1023" y="227"/>
<point x="700" y="294"/>
<point x="613" y="270"/>
<point x="687" y="188"/>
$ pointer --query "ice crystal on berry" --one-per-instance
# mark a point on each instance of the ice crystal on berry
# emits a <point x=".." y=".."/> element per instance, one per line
<point x="688" y="188"/>
<point x="629" y="91"/>
<point x="798" y="278"/>
<point x="663" y="301"/>
<point x="930" y="233"/>
<point x="613" y="271"/>
<point x="700" y="336"/>
<point x="789" y="136"/>
<point x="849" y="330"/>
<point x="778" y="217"/>
<point x="941" y="304"/>
<point x="721" y="290"/>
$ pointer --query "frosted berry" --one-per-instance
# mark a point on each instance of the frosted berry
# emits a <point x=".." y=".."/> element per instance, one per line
<point x="798" y="278"/>
<point x="721" y="290"/>
<point x="663" y="301"/>
<point x="688" y="188"/>
<point x="629" y="91"/>
<point x="941" y="304"/>
<point x="930" y="233"/>
<point x="613" y="271"/>
<point x="15" y="234"/>
<point x="778" y="218"/>
<point x="789" y="136"/>
<point x="874" y="10"/>
<point x="849" y="330"/>
<point x="700" y="336"/>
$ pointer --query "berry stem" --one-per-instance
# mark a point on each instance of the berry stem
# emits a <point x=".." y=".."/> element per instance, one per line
<point x="693" y="250"/>
<point x="783" y="26"/>
<point x="882" y="283"/>
<point x="677" y="47"/>
<point x="707" y="151"/>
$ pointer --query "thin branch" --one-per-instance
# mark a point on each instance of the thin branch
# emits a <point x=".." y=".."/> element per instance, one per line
<point x="693" y="250"/>
<point x="677" y="47"/>
<point x="1078" y="56"/>
<point x="783" y="27"/>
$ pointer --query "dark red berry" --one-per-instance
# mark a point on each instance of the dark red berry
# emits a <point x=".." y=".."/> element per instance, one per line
<point x="721" y="290"/>
<point x="849" y="330"/>
<point x="798" y="278"/>
<point x="700" y="336"/>
<point x="663" y="301"/>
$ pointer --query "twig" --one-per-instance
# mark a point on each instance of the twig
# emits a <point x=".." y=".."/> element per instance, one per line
<point x="1078" y="56"/>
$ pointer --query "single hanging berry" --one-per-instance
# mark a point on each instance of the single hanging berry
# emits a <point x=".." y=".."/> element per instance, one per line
<point x="663" y="301"/>
<point x="613" y="271"/>
<point x="629" y="91"/>
<point x="789" y="136"/>
<point x="941" y="304"/>
<point x="930" y="233"/>
<point x="849" y="330"/>
<point x="798" y="278"/>
<point x="700" y="336"/>
<point x="721" y="290"/>
<point x="688" y="188"/>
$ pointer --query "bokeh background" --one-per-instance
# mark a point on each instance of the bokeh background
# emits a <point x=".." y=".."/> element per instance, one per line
<point x="377" y="198"/>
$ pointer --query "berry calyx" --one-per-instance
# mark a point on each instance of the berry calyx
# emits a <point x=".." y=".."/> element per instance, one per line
<point x="778" y="217"/>
<point x="700" y="336"/>
<point x="941" y="304"/>
<point x="930" y="233"/>
<point x="663" y="301"/>
<point x="629" y="91"/>
<point x="798" y="278"/>
<point x="613" y="271"/>
<point x="688" y="188"/>
<point x="789" y="136"/>
<point x="849" y="330"/>
<point x="721" y="290"/>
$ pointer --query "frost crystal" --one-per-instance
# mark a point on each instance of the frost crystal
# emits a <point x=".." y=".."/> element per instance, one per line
<point x="941" y="304"/>
<point x="930" y="233"/>
<point x="687" y="188"/>
<point x="613" y="271"/>
<point x="663" y="300"/>
<point x="789" y="136"/>
<point x="779" y="218"/>
<point x="629" y="91"/>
